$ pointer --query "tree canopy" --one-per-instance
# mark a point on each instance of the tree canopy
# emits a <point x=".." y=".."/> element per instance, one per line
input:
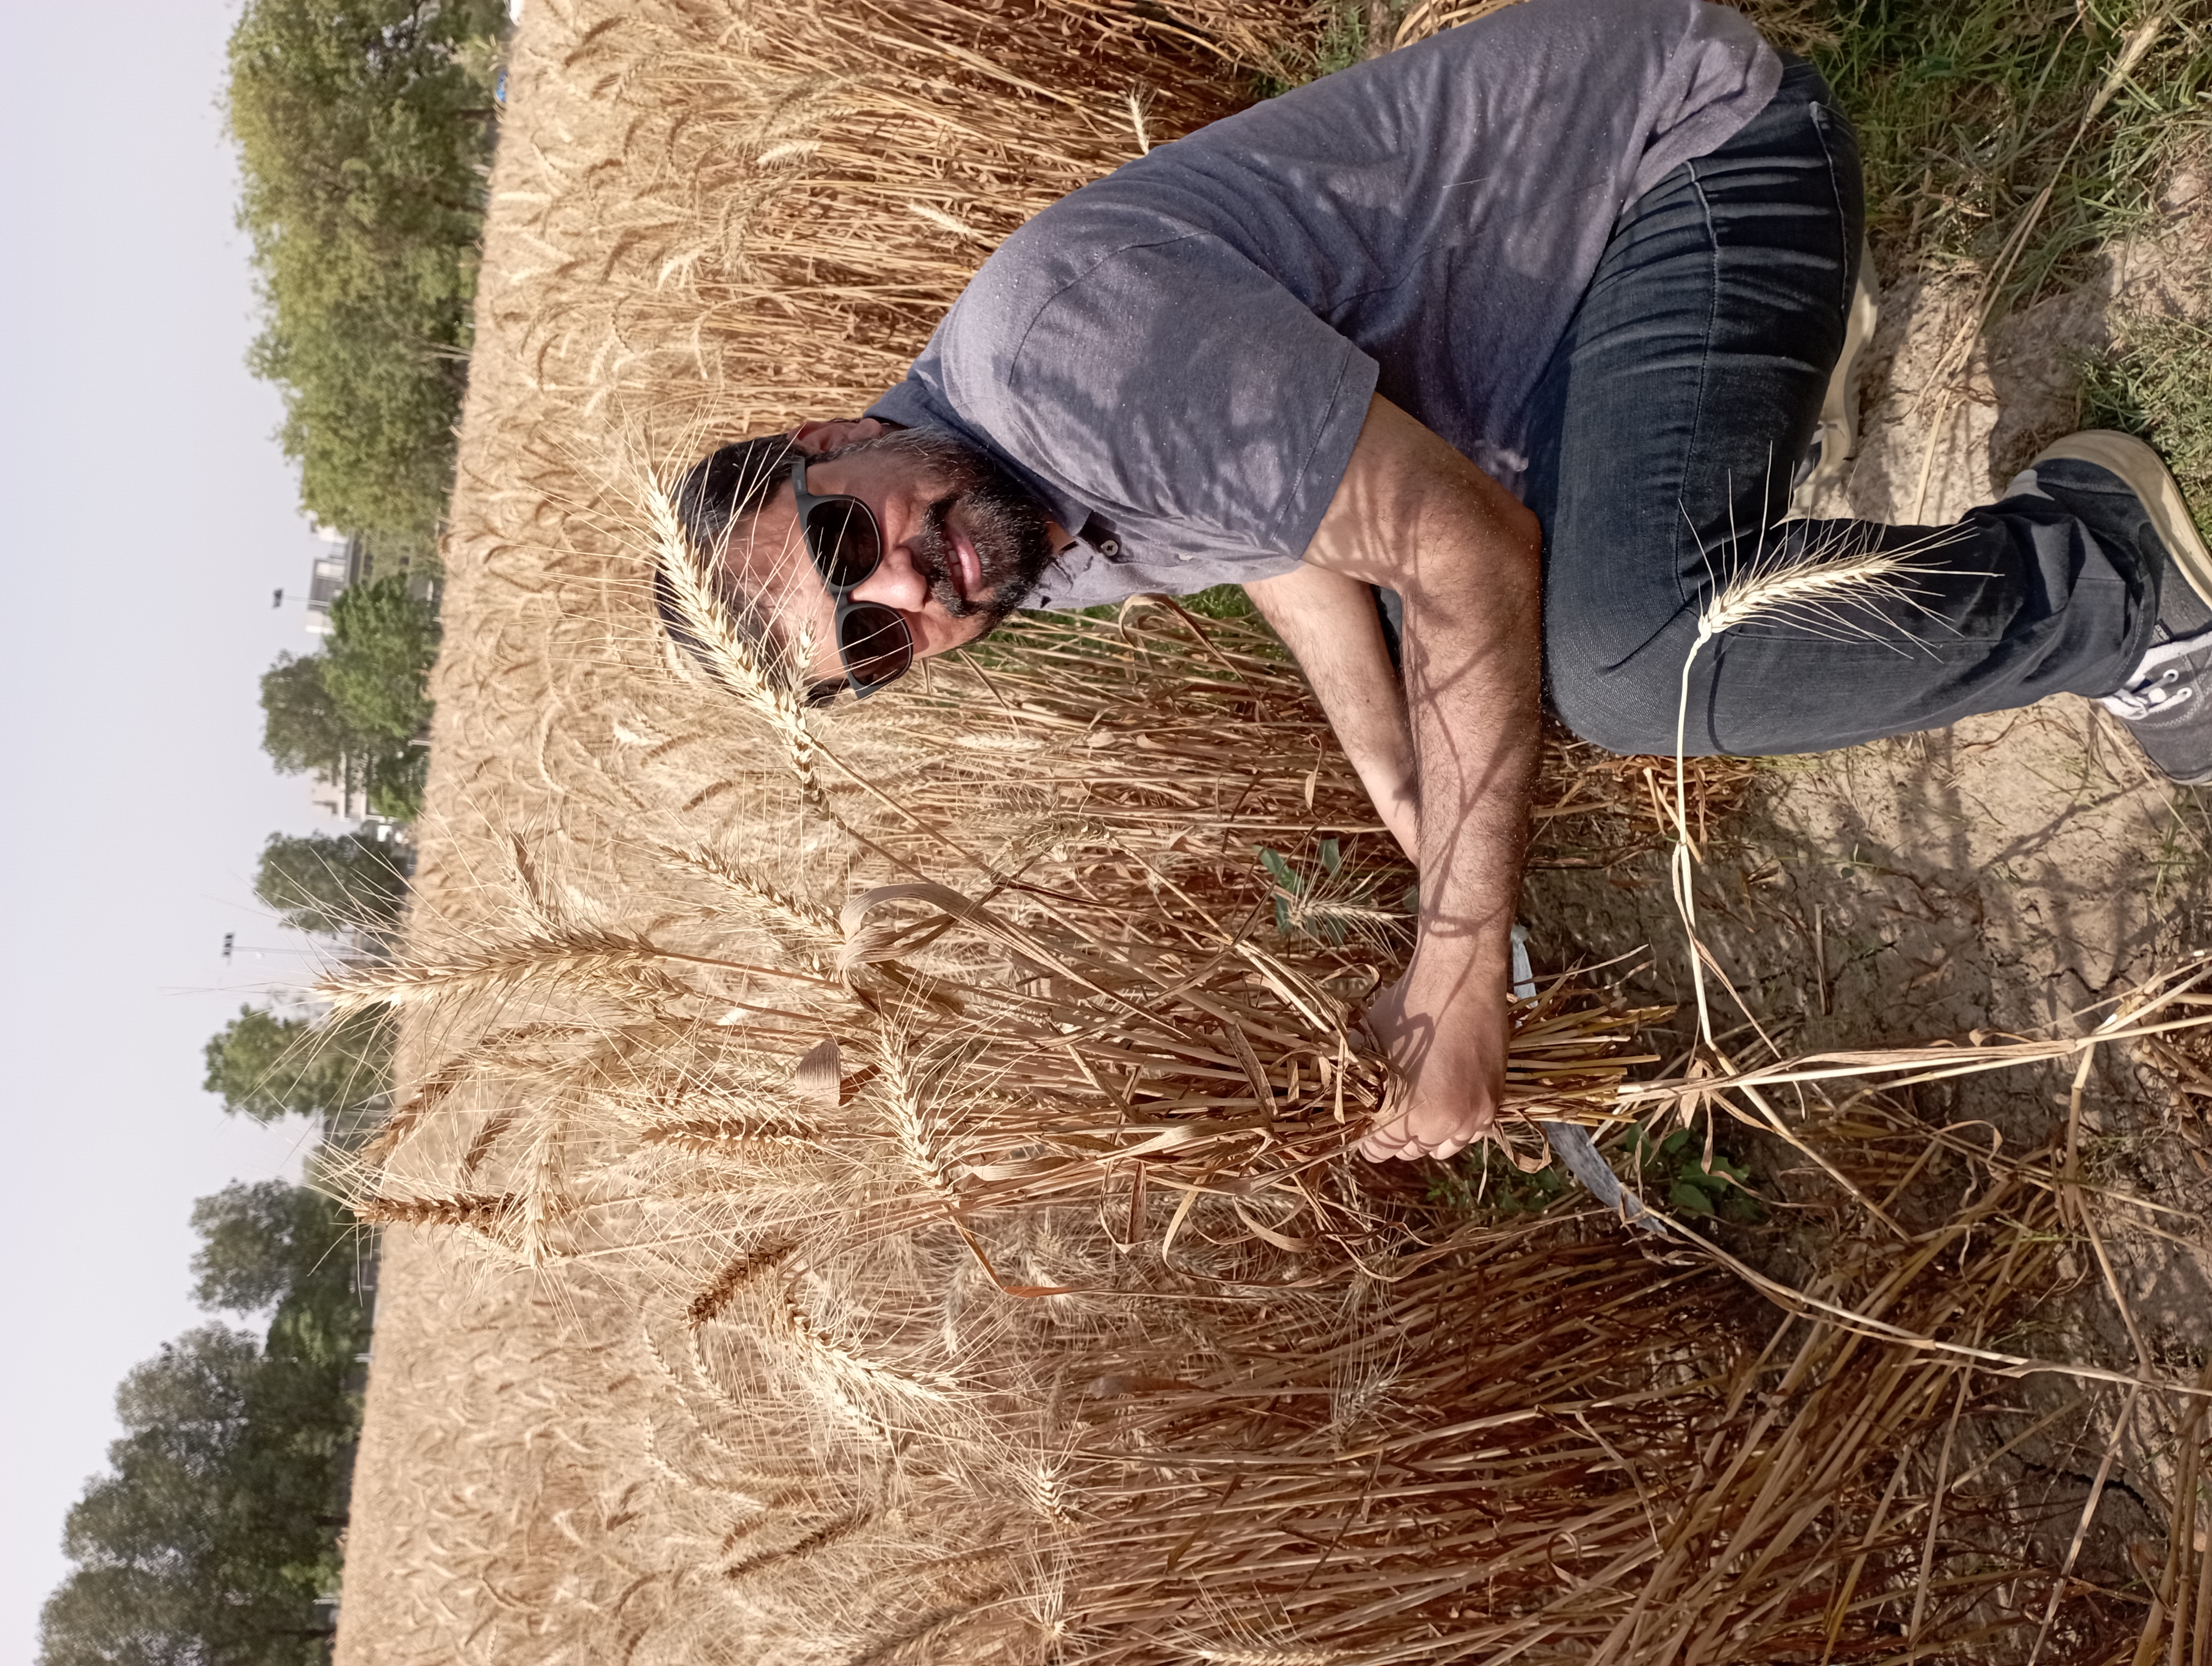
<point x="267" y="1067"/>
<point x="327" y="887"/>
<point x="363" y="129"/>
<point x="264" y="1242"/>
<point x="216" y="1528"/>
<point x="354" y="712"/>
<point x="302" y="729"/>
<point x="377" y="668"/>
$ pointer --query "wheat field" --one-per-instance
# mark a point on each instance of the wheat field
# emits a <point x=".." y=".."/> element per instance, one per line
<point x="875" y="1188"/>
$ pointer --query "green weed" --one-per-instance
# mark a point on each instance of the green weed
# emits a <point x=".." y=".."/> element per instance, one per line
<point x="1671" y="1173"/>
<point x="2155" y="383"/>
<point x="1968" y="110"/>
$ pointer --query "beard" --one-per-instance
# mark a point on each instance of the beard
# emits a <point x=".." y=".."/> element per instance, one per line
<point x="1009" y="528"/>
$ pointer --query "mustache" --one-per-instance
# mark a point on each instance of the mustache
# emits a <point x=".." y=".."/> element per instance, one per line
<point x="935" y="558"/>
<point x="1009" y="553"/>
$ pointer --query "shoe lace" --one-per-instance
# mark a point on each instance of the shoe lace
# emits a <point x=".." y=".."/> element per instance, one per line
<point x="2152" y="695"/>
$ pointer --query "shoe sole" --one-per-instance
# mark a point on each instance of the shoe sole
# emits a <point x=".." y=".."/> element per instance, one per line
<point x="2144" y="473"/>
<point x="1839" y="413"/>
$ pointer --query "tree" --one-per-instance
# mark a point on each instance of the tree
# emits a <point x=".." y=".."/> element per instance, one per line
<point x="268" y="1240"/>
<point x="302" y="728"/>
<point x="396" y="782"/>
<point x="363" y="128"/>
<point x="327" y="887"/>
<point x="377" y="670"/>
<point x="216" y="1529"/>
<point x="266" y="1067"/>
<point x="354" y="715"/>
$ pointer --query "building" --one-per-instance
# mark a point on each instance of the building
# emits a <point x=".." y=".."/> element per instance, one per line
<point x="342" y="561"/>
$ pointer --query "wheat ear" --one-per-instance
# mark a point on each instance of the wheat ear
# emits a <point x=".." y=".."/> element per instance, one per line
<point x="795" y="912"/>
<point x="1818" y="586"/>
<point x="738" y="659"/>
<point x="711" y="1302"/>
<point x="485" y="1211"/>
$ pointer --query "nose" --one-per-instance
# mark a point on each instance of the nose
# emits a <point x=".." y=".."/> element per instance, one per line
<point x="895" y="583"/>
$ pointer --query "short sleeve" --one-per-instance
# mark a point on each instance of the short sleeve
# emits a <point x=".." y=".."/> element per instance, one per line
<point x="1171" y="379"/>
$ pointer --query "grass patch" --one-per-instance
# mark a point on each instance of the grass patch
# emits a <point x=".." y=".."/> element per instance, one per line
<point x="1967" y="113"/>
<point x="2155" y="384"/>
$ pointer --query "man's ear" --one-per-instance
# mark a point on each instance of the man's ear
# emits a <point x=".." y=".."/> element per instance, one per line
<point x="817" y="437"/>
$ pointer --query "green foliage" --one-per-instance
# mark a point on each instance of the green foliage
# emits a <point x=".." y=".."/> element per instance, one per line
<point x="217" y="1527"/>
<point x="267" y="1067"/>
<point x="1339" y="42"/>
<point x="327" y="887"/>
<point x="1483" y="1180"/>
<point x="1673" y="1173"/>
<point x="273" y="1245"/>
<point x="302" y="729"/>
<point x="1967" y="110"/>
<point x="215" y="1530"/>
<point x="2153" y="384"/>
<point x="353" y="713"/>
<point x="395" y="783"/>
<point x="377" y="668"/>
<point x="363" y="128"/>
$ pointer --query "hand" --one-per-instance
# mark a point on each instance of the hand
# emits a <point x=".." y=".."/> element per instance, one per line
<point x="1453" y="1078"/>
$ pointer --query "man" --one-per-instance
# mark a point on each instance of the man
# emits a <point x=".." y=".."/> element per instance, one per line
<point x="1571" y="279"/>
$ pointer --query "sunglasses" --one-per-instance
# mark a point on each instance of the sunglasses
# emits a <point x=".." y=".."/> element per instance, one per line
<point x="874" y="645"/>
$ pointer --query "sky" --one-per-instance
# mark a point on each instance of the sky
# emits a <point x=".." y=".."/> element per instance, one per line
<point x="146" y="518"/>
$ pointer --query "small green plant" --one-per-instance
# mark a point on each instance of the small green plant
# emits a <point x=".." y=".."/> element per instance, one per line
<point x="1327" y="905"/>
<point x="1672" y="1171"/>
<point x="1483" y="1180"/>
<point x="1341" y="43"/>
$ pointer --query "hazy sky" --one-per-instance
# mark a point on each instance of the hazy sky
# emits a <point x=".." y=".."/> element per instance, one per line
<point x="145" y="517"/>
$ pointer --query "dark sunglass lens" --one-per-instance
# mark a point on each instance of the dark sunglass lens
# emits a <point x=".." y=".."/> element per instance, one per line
<point x="842" y="536"/>
<point x="876" y="645"/>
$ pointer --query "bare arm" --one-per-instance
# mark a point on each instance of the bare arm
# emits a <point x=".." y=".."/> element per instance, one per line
<point x="1414" y="515"/>
<point x="1328" y="622"/>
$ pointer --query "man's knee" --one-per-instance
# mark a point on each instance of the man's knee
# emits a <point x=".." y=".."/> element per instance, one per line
<point x="1621" y="708"/>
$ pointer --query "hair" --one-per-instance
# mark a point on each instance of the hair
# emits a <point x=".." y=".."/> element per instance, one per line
<point x="728" y="484"/>
<point x="718" y="491"/>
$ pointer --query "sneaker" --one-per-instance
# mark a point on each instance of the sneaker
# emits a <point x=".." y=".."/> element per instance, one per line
<point x="2166" y="709"/>
<point x="2167" y="703"/>
<point x="1837" y="438"/>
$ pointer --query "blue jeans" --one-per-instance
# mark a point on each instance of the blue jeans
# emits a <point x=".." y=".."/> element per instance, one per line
<point x="1669" y="422"/>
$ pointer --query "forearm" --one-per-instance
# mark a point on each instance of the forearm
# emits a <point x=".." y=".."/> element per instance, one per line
<point x="1472" y="674"/>
<point x="1414" y="514"/>
<point x="1328" y="622"/>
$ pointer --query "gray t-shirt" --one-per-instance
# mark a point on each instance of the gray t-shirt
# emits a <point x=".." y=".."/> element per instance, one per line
<point x="1178" y="357"/>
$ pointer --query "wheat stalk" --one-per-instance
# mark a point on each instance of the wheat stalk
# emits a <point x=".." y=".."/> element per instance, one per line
<point x="1817" y="585"/>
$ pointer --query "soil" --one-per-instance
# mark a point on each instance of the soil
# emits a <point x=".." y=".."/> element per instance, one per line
<point x="2012" y="873"/>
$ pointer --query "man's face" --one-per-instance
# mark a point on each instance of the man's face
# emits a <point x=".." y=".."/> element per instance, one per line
<point x="962" y="543"/>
